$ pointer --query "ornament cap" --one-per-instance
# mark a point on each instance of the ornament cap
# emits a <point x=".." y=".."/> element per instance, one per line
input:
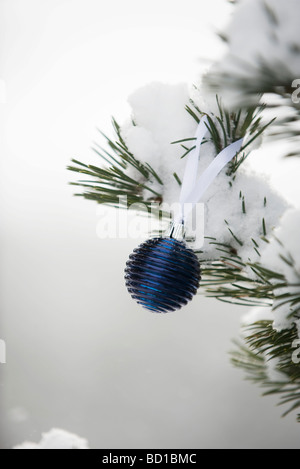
<point x="176" y="230"/>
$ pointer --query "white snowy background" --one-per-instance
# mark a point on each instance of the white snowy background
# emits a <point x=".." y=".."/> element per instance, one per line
<point x="81" y="356"/>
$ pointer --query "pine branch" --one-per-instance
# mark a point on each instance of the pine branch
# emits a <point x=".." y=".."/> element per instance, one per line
<point x="269" y="78"/>
<point x="124" y="175"/>
<point x="226" y="127"/>
<point x="264" y="346"/>
<point x="108" y="184"/>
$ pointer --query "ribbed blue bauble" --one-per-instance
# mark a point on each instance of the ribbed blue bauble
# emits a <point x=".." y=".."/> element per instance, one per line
<point x="163" y="274"/>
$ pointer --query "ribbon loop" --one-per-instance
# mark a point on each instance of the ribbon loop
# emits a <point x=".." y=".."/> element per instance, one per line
<point x="193" y="190"/>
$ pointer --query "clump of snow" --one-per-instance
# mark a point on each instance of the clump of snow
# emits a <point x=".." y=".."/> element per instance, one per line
<point x="160" y="108"/>
<point x="256" y="315"/>
<point x="142" y="145"/>
<point x="285" y="243"/>
<point x="158" y="118"/>
<point x="28" y="445"/>
<point x="225" y="217"/>
<point x="56" y="439"/>
<point x="202" y="100"/>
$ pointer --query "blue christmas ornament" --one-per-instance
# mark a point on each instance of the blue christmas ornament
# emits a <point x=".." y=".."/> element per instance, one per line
<point x="163" y="274"/>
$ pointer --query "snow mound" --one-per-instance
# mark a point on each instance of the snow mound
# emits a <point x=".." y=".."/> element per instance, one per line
<point x="56" y="439"/>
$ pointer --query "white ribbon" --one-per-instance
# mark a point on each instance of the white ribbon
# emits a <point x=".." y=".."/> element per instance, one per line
<point x="193" y="190"/>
